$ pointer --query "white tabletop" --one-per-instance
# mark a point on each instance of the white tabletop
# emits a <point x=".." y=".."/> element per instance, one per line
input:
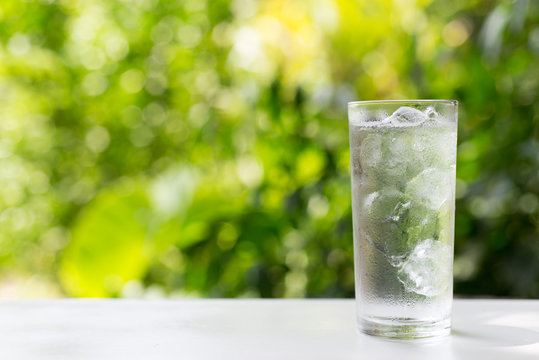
<point x="251" y="329"/>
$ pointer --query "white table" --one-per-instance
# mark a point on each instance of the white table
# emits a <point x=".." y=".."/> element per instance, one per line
<point x="251" y="329"/>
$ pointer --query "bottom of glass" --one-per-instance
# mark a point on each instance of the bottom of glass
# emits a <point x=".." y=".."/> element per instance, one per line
<point x="404" y="328"/>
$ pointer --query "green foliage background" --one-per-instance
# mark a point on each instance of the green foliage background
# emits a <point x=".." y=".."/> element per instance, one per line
<point x="200" y="148"/>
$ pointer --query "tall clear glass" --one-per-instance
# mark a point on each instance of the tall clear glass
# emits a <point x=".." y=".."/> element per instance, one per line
<point x="403" y="156"/>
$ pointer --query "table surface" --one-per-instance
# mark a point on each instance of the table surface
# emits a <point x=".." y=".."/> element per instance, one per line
<point x="251" y="329"/>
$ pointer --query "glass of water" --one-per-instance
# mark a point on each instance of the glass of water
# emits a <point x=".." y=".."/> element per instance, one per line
<point x="403" y="156"/>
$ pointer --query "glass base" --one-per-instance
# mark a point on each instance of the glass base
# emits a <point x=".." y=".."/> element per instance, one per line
<point x="404" y="328"/>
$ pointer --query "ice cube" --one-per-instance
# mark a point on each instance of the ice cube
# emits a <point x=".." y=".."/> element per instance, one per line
<point x="407" y="116"/>
<point x="431" y="113"/>
<point x="441" y="143"/>
<point x="446" y="222"/>
<point x="420" y="223"/>
<point x="402" y="153"/>
<point x="427" y="269"/>
<point x="382" y="213"/>
<point x="431" y="187"/>
<point x="369" y="199"/>
<point x="370" y="152"/>
<point x="383" y="204"/>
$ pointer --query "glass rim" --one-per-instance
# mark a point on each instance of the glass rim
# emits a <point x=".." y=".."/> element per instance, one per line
<point x="388" y="102"/>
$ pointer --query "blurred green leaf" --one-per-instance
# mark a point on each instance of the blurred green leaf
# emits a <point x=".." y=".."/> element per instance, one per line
<point x="108" y="241"/>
